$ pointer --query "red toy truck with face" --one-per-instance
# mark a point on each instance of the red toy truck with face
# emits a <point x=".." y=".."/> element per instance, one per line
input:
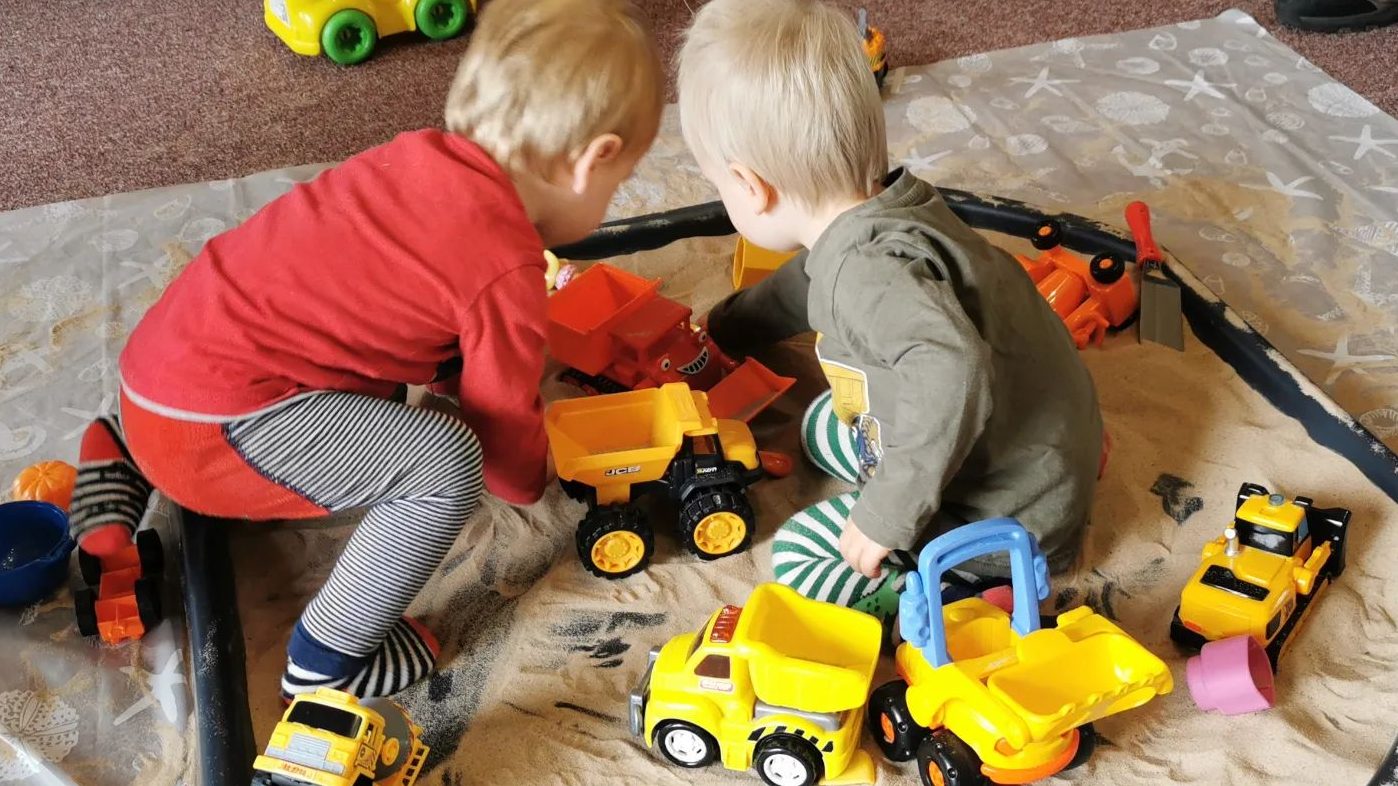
<point x="616" y="332"/>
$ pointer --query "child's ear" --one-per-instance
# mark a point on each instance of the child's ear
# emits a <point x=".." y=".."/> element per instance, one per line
<point x="602" y="150"/>
<point x="760" y="194"/>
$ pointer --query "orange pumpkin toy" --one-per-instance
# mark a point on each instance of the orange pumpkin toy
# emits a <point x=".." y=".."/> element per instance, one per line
<point x="47" y="481"/>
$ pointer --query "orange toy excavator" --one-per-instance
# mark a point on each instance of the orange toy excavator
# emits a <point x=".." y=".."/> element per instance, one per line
<point x="1089" y="297"/>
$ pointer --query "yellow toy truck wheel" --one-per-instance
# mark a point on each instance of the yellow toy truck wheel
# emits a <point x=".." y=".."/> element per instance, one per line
<point x="440" y="20"/>
<point x="943" y="759"/>
<point x="349" y="37"/>
<point x="788" y="760"/>
<point x="891" y="724"/>
<point x="717" y="522"/>
<point x="685" y="745"/>
<point x="615" y="542"/>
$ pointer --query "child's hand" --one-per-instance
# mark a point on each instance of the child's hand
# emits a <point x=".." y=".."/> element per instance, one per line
<point x="860" y="553"/>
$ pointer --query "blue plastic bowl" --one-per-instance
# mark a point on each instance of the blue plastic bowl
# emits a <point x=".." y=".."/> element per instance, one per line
<point x="34" y="549"/>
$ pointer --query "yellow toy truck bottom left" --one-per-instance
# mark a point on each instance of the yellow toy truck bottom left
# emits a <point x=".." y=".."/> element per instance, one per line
<point x="330" y="738"/>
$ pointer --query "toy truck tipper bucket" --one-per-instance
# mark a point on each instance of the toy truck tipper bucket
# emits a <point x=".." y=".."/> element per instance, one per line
<point x="1083" y="670"/>
<point x="746" y="391"/>
<point x="581" y="315"/>
<point x="752" y="263"/>
<point x="624" y="437"/>
<point x="818" y="657"/>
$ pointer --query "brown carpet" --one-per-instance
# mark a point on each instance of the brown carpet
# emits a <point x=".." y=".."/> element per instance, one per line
<point x="97" y="98"/>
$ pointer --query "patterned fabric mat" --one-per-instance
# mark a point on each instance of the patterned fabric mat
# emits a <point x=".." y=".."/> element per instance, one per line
<point x="1272" y="183"/>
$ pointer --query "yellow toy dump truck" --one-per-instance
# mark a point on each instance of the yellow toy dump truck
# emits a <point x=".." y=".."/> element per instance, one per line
<point x="330" y="738"/>
<point x="778" y="685"/>
<point x="987" y="696"/>
<point x="1257" y="582"/>
<point x="613" y="448"/>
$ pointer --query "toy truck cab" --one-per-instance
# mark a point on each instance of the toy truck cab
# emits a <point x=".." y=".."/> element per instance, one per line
<point x="1258" y="581"/>
<point x="991" y="696"/>
<point x="329" y="738"/>
<point x="778" y="685"/>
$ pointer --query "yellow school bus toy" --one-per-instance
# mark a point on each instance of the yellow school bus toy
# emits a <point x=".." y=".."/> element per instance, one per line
<point x="346" y="31"/>
<point x="778" y="685"/>
<point x="330" y="738"/>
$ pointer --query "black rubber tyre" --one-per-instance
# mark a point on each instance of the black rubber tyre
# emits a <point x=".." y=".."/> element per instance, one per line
<point x="791" y="753"/>
<point x="705" y="503"/>
<point x="1107" y="269"/>
<point x="1047" y="234"/>
<point x="148" y="604"/>
<point x="603" y="521"/>
<point x="1184" y="636"/>
<point x="664" y="744"/>
<point x="90" y="568"/>
<point x="151" y="552"/>
<point x="890" y="723"/>
<point x="953" y="759"/>
<point x="1087" y="743"/>
<point x="85" y="609"/>
<point x="881" y="74"/>
<point x="363" y="780"/>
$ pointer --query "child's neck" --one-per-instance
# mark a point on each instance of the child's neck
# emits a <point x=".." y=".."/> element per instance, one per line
<point x="814" y="223"/>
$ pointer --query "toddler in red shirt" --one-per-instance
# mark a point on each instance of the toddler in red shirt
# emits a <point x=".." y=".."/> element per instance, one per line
<point x="261" y="384"/>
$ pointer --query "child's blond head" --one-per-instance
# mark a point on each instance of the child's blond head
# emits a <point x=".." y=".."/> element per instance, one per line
<point x="542" y="78"/>
<point x="783" y="87"/>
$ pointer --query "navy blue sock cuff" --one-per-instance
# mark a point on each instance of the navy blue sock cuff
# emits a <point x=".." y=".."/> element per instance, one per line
<point x="310" y="654"/>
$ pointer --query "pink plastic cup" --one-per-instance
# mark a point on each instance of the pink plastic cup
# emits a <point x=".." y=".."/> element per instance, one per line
<point x="1232" y="676"/>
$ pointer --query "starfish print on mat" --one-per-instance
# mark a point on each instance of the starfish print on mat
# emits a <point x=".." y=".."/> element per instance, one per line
<point x="917" y="162"/>
<point x="154" y="272"/>
<point x="1292" y="189"/>
<point x="1366" y="142"/>
<point x="29" y="356"/>
<point x="1199" y="85"/>
<point x="1042" y="82"/>
<point x="1341" y="360"/>
<point x="161" y="685"/>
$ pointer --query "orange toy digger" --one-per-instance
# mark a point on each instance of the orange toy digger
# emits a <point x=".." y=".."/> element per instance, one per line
<point x="1090" y="297"/>
<point x="122" y="601"/>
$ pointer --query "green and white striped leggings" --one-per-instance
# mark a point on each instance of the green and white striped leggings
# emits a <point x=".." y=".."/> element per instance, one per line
<point x="806" y="552"/>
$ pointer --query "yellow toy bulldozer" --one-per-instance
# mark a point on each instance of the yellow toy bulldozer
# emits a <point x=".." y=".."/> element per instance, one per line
<point x="611" y="449"/>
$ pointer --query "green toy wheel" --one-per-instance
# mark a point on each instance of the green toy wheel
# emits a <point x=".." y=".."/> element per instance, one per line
<point x="348" y="37"/>
<point x="442" y="19"/>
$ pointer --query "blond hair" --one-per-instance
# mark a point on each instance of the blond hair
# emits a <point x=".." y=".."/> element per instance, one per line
<point x="783" y="87"/>
<point x="542" y="78"/>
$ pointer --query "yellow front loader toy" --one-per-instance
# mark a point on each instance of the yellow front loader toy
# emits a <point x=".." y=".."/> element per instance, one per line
<point x="1254" y="587"/>
<point x="987" y="696"/>
<point x="778" y="685"/>
<point x="611" y="449"/>
<point x="330" y="738"/>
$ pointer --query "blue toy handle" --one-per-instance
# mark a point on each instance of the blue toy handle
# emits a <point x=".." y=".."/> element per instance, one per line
<point x="920" y="607"/>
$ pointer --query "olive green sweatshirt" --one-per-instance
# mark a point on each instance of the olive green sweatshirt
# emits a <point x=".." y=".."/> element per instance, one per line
<point x="967" y="394"/>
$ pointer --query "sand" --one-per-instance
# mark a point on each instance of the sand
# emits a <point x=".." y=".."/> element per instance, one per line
<point x="538" y="655"/>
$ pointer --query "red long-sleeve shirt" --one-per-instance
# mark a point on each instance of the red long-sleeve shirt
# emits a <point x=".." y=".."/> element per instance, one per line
<point x="381" y="271"/>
